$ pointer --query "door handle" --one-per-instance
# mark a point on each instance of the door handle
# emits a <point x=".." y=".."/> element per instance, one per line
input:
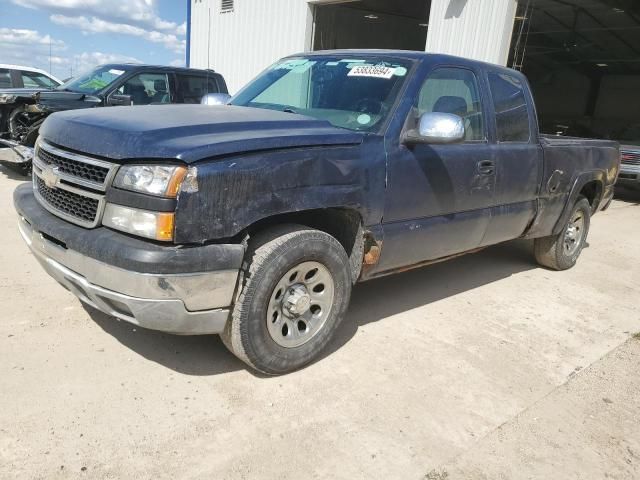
<point x="486" y="167"/>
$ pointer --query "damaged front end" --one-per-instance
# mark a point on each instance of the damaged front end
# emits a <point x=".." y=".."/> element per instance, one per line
<point x="16" y="156"/>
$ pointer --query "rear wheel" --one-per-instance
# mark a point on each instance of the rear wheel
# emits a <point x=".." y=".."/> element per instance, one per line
<point x="560" y="252"/>
<point x="295" y="290"/>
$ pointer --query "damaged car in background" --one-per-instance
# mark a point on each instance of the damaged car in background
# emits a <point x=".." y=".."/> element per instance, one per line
<point x="22" y="110"/>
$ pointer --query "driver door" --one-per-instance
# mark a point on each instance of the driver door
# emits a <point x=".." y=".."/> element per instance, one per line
<point x="439" y="197"/>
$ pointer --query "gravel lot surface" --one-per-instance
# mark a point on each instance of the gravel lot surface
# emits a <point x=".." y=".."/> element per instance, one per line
<point x="483" y="367"/>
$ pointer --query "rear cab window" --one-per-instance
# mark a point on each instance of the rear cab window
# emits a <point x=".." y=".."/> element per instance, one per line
<point x="194" y="87"/>
<point x="511" y="108"/>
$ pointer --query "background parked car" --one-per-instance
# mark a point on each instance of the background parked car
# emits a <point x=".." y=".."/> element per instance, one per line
<point x="630" y="157"/>
<point x="17" y="76"/>
<point x="22" y="111"/>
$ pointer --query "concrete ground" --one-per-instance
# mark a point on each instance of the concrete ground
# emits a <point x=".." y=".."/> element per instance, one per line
<point x="484" y="367"/>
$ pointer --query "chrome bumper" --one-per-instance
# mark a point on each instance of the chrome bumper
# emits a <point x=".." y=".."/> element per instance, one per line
<point x="187" y="304"/>
<point x="13" y="152"/>
<point x="629" y="173"/>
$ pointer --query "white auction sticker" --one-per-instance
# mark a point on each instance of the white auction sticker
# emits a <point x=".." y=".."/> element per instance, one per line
<point x="113" y="71"/>
<point x="375" y="71"/>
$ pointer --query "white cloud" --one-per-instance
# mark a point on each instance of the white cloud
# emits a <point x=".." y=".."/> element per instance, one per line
<point x="88" y="60"/>
<point x="97" y="25"/>
<point x="178" y="62"/>
<point x="19" y="36"/>
<point x="30" y="48"/>
<point x="141" y="13"/>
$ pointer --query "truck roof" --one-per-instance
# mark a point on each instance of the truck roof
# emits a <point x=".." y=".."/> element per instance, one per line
<point x="144" y="66"/>
<point x="411" y="54"/>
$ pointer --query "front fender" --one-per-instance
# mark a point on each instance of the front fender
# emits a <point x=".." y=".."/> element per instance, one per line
<point x="237" y="192"/>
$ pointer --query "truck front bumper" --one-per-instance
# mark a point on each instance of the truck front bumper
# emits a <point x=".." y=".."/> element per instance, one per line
<point x="14" y="153"/>
<point x="629" y="175"/>
<point x="181" y="290"/>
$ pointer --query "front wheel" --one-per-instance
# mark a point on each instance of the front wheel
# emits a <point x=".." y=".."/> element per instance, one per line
<point x="295" y="289"/>
<point x="560" y="252"/>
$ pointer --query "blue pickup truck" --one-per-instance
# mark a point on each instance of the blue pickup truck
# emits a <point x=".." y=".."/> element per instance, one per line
<point x="253" y="220"/>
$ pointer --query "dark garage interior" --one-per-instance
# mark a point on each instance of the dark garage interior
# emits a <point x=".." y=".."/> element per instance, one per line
<point x="582" y="58"/>
<point x="372" y="24"/>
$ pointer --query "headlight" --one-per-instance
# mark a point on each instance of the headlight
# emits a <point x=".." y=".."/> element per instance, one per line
<point x="159" y="180"/>
<point x="7" y="98"/>
<point x="154" y="225"/>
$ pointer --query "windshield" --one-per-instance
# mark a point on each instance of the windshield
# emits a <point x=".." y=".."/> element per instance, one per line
<point x="353" y="93"/>
<point x="93" y="81"/>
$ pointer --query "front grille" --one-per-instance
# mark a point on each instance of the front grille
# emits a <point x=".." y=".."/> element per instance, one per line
<point x="71" y="185"/>
<point x="630" y="157"/>
<point x="69" y="203"/>
<point x="86" y="171"/>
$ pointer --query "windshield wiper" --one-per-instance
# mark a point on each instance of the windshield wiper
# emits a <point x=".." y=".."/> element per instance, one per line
<point x="289" y="110"/>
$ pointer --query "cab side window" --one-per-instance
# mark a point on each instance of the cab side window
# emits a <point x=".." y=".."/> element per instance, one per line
<point x="147" y="88"/>
<point x="36" y="80"/>
<point x="195" y="87"/>
<point x="510" y="103"/>
<point x="454" y="90"/>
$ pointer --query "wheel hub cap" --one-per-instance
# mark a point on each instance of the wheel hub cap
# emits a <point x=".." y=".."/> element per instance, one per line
<point x="300" y="304"/>
<point x="296" y="301"/>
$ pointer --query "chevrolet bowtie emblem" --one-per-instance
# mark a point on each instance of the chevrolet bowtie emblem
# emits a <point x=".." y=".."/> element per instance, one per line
<point x="50" y="176"/>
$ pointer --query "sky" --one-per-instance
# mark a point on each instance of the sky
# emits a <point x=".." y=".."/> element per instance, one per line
<point x="86" y="33"/>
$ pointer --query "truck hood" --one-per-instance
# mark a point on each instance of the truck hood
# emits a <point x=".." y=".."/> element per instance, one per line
<point x="187" y="132"/>
<point x="21" y="92"/>
<point x="59" y="100"/>
<point x="53" y="100"/>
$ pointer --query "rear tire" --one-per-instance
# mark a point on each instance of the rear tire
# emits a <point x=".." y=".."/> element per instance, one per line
<point x="561" y="252"/>
<point x="295" y="289"/>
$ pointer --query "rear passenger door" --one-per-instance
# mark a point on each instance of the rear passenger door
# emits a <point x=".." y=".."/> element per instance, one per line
<point x="518" y="156"/>
<point x="192" y="88"/>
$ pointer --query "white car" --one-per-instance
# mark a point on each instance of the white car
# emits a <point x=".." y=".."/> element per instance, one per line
<point x="16" y="76"/>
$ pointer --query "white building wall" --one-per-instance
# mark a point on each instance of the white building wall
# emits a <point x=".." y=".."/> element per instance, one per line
<point x="248" y="39"/>
<point x="478" y="29"/>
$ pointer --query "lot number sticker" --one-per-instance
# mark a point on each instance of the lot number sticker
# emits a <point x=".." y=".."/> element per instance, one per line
<point x="374" y="71"/>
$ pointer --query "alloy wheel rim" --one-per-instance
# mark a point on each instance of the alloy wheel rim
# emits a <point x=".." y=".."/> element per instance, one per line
<point x="300" y="304"/>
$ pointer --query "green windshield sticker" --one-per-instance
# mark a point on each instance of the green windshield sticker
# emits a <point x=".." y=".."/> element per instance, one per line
<point x="400" y="72"/>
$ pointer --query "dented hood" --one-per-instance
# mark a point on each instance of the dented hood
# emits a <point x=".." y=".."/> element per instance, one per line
<point x="187" y="132"/>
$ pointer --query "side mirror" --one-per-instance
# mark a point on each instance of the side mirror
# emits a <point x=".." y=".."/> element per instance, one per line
<point x="438" y="128"/>
<point x="215" y="99"/>
<point x="116" y="100"/>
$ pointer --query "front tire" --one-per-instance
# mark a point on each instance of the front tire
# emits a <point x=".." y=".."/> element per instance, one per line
<point x="295" y="290"/>
<point x="561" y="252"/>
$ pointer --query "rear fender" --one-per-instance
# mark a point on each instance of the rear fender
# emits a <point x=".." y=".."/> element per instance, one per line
<point x="583" y="179"/>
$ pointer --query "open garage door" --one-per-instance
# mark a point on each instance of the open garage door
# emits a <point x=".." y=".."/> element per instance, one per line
<point x="371" y="24"/>
<point x="582" y="58"/>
